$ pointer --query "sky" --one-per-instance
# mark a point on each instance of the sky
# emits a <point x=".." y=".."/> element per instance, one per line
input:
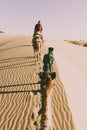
<point x="60" y="18"/>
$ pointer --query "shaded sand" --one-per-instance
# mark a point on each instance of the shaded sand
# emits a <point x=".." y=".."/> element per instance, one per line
<point x="81" y="42"/>
<point x="20" y="88"/>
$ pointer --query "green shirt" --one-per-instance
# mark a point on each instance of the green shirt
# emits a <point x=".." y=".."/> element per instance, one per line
<point x="48" y="62"/>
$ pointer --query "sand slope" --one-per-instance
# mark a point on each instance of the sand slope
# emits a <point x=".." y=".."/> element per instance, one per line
<point x="20" y="89"/>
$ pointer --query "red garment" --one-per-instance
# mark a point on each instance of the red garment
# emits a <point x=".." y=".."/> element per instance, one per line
<point x="38" y="27"/>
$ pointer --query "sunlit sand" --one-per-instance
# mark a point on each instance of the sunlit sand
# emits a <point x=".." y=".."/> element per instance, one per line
<point x="20" y="89"/>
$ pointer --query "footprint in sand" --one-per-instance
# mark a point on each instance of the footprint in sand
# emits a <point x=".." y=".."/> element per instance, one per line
<point x="35" y="117"/>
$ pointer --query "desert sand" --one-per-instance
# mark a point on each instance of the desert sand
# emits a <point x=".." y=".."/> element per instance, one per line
<point x="20" y="88"/>
<point x="72" y="64"/>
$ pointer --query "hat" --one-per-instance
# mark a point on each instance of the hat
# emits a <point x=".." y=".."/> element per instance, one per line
<point x="50" y="49"/>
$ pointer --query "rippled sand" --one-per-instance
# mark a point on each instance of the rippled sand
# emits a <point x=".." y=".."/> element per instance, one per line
<point x="20" y="89"/>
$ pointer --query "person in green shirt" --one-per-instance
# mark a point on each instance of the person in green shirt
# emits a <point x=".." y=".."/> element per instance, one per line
<point x="48" y="60"/>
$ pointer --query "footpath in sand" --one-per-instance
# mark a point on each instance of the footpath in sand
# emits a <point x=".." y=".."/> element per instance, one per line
<point x="20" y="89"/>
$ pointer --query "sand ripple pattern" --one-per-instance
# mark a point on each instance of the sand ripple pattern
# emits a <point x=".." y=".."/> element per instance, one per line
<point x="20" y="90"/>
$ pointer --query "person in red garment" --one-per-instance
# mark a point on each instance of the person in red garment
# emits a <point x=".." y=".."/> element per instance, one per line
<point x="38" y="27"/>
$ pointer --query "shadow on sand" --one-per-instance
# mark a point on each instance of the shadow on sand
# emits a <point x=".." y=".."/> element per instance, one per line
<point x="14" y="47"/>
<point x="17" y="62"/>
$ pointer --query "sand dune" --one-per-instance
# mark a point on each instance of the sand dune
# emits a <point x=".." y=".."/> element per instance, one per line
<point x="20" y="89"/>
<point x="72" y="64"/>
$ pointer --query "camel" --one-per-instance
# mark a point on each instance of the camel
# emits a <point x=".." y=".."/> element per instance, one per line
<point x="37" y="44"/>
<point x="47" y="88"/>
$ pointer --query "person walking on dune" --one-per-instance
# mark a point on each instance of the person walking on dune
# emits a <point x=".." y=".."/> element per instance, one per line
<point x="48" y="60"/>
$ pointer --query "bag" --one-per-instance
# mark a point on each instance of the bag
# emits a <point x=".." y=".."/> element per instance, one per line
<point x="53" y="75"/>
